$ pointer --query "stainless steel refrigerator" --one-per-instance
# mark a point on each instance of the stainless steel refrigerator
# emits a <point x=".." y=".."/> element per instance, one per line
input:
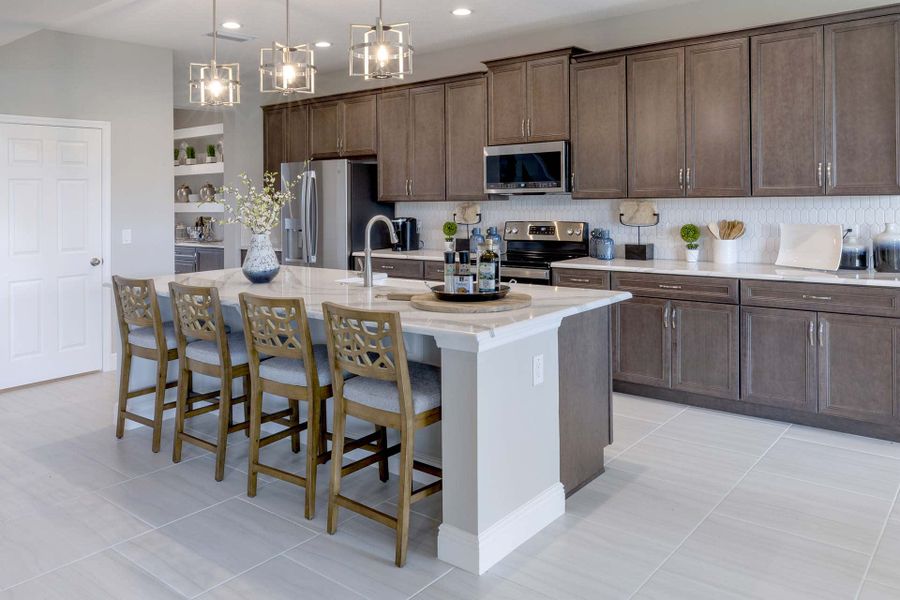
<point x="326" y="220"/>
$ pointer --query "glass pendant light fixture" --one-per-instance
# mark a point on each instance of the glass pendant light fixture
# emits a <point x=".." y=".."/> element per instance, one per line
<point x="380" y="51"/>
<point x="285" y="68"/>
<point x="213" y="84"/>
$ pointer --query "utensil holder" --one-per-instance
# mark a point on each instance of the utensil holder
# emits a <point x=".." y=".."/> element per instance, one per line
<point x="725" y="252"/>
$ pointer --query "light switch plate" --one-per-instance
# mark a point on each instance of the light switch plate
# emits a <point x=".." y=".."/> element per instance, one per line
<point x="538" y="370"/>
<point x="126" y="236"/>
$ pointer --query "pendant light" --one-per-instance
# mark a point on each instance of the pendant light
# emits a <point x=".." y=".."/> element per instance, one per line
<point x="213" y="84"/>
<point x="285" y="68"/>
<point x="380" y="51"/>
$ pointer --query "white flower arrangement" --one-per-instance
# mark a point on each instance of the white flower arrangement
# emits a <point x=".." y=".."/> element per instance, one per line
<point x="257" y="210"/>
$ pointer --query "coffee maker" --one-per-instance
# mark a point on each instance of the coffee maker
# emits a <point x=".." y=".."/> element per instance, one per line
<point x="407" y="230"/>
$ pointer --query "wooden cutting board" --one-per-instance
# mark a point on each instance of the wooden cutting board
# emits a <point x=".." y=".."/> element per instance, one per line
<point x="512" y="301"/>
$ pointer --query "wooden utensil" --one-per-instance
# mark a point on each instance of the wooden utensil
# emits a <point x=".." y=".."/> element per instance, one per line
<point x="714" y="230"/>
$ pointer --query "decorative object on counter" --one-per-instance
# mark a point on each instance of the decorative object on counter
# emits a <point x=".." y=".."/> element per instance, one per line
<point x="206" y="228"/>
<point x="488" y="269"/>
<point x="464" y="261"/>
<point x="191" y="156"/>
<point x="690" y="233"/>
<point x="476" y="240"/>
<point x="440" y="292"/>
<point x="381" y="51"/>
<point x="212" y="83"/>
<point x="854" y="254"/>
<point x="259" y="211"/>
<point x="467" y="214"/>
<point x="183" y="193"/>
<point x="724" y="252"/>
<point x="886" y="248"/>
<point x="208" y="193"/>
<point x="512" y="301"/>
<point x="180" y="232"/>
<point x="606" y="247"/>
<point x="638" y="214"/>
<point x="177" y="153"/>
<point x="449" y="269"/>
<point x="211" y="153"/>
<point x="714" y="230"/>
<point x="810" y="246"/>
<point x="730" y="230"/>
<point x="220" y="149"/>
<point x="449" y="230"/>
<point x="287" y="68"/>
<point x="493" y="234"/>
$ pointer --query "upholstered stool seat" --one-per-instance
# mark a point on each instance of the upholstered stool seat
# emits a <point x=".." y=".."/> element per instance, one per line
<point x="207" y="351"/>
<point x="145" y="337"/>
<point x="291" y="371"/>
<point x="425" y="381"/>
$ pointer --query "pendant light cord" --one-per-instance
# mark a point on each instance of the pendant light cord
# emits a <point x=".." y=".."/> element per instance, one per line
<point x="287" y="23"/>
<point x="215" y="33"/>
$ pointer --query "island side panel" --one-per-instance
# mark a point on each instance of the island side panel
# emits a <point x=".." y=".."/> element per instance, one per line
<point x="585" y="396"/>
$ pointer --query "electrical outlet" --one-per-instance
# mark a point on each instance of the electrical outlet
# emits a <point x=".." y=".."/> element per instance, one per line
<point x="126" y="236"/>
<point x="537" y="370"/>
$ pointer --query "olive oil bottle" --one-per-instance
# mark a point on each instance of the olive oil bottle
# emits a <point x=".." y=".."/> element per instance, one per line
<point x="488" y="268"/>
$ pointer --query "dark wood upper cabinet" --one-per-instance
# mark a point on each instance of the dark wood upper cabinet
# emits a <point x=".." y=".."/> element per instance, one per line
<point x="656" y="124"/>
<point x="358" y="130"/>
<point x="705" y="344"/>
<point x="547" y="117"/>
<point x="297" y="133"/>
<point x="717" y="119"/>
<point x="788" y="113"/>
<point x="599" y="139"/>
<point x="641" y="342"/>
<point x="393" y="145"/>
<point x="859" y="365"/>
<point x="427" y="166"/>
<point x="507" y="99"/>
<point x="466" y="117"/>
<point x="274" y="140"/>
<point x="862" y="106"/>
<point x="324" y="127"/>
<point x="778" y="358"/>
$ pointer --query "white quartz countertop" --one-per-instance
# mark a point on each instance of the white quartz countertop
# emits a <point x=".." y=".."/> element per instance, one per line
<point x="436" y="255"/>
<point x="191" y="244"/>
<point x="470" y="331"/>
<point x="736" y="271"/>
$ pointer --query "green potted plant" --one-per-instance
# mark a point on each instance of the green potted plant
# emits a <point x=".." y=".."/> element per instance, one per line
<point x="191" y="156"/>
<point x="690" y="233"/>
<point x="210" y="153"/>
<point x="449" y="229"/>
<point x="177" y="152"/>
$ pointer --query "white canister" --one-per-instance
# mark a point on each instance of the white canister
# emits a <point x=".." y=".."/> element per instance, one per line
<point x="725" y="252"/>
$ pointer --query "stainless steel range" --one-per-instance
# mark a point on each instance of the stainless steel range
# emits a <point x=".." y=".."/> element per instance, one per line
<point x="532" y="245"/>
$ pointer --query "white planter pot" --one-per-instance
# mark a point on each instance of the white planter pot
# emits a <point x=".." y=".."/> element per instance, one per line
<point x="692" y="255"/>
<point x="211" y="159"/>
<point x="725" y="252"/>
<point x="190" y="161"/>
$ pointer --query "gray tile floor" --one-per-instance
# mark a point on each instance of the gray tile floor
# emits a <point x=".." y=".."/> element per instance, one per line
<point x="694" y="505"/>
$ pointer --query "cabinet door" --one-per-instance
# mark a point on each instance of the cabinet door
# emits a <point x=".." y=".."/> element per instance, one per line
<point x="274" y="140"/>
<point x="427" y="167"/>
<point x="717" y="118"/>
<point x="358" y="128"/>
<point x="393" y="145"/>
<point x="641" y="342"/>
<point x="778" y="358"/>
<point x="858" y="367"/>
<point x="507" y="104"/>
<point x="599" y="143"/>
<point x="466" y="136"/>
<point x="324" y="124"/>
<point x="656" y="124"/>
<point x="787" y="86"/>
<point x="547" y="108"/>
<point x="862" y="106"/>
<point x="210" y="259"/>
<point x="705" y="349"/>
<point x="297" y="133"/>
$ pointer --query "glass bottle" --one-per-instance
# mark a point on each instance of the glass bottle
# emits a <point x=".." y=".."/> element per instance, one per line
<point x="475" y="240"/>
<point x="607" y="247"/>
<point x="493" y="234"/>
<point x="887" y="249"/>
<point x="449" y="270"/>
<point x="488" y="268"/>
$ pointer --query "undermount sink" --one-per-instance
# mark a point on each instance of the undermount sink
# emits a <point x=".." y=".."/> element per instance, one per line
<point x="377" y="279"/>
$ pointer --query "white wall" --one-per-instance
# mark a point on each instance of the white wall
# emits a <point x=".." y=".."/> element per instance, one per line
<point x="52" y="74"/>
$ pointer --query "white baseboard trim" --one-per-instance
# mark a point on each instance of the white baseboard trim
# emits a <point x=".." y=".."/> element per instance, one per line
<point x="112" y="362"/>
<point x="478" y="553"/>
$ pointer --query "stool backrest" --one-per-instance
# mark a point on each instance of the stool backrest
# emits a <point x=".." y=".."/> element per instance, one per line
<point x="137" y="306"/>
<point x="197" y="315"/>
<point x="278" y="327"/>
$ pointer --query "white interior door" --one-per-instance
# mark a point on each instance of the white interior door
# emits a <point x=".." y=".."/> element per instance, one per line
<point x="50" y="238"/>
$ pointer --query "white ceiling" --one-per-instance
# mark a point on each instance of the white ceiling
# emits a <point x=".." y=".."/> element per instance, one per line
<point x="181" y="25"/>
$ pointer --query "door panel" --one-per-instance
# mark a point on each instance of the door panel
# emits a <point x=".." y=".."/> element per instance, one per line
<point x="50" y="229"/>
<point x="599" y="139"/>
<point x="641" y="342"/>
<point x="393" y="145"/>
<point x="507" y="104"/>
<point x="778" y="358"/>
<point x="297" y="134"/>
<point x="274" y="141"/>
<point x="548" y="99"/>
<point x="358" y="129"/>
<point x="427" y="170"/>
<point x="717" y="118"/>
<point x="466" y="137"/>
<point x="705" y="343"/>
<point x="324" y="130"/>
<point x="858" y="367"/>
<point x="788" y="113"/>
<point x="656" y="124"/>
<point x="862" y="106"/>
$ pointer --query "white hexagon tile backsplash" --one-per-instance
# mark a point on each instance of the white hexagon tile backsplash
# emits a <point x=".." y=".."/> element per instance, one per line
<point x="762" y="216"/>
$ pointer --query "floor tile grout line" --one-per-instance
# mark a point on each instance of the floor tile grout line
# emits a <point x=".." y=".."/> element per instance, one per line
<point x="706" y="445"/>
<point x="844" y="448"/>
<point x="422" y="589"/>
<point x="794" y="534"/>
<point x="765" y="471"/>
<point x="645" y="436"/>
<point x="247" y="500"/>
<point x="144" y="569"/>
<point x="320" y="574"/>
<point x="706" y="517"/>
<point x="884" y="527"/>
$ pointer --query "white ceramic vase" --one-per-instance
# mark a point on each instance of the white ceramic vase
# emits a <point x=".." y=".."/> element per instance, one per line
<point x="692" y="255"/>
<point x="725" y="252"/>
<point x="261" y="263"/>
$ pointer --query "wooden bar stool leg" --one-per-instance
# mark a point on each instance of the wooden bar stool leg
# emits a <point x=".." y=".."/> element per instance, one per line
<point x="247" y="391"/>
<point x="403" y="501"/>
<point x="312" y="456"/>
<point x="337" y="460"/>
<point x="162" y="368"/>
<point x="224" y="424"/>
<point x="255" y="432"/>
<point x="323" y="426"/>
<point x="124" y="382"/>
<point x="181" y="402"/>
<point x="295" y="421"/>
<point x="383" y="472"/>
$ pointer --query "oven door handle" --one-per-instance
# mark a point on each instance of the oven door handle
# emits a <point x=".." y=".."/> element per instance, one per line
<point x="525" y="273"/>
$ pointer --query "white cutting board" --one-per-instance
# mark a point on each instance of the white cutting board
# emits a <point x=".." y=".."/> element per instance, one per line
<point x="810" y="246"/>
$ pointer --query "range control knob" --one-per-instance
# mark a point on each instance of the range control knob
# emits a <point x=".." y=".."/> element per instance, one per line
<point x="569" y="231"/>
<point x="508" y="230"/>
<point x="515" y="230"/>
<point x="578" y="232"/>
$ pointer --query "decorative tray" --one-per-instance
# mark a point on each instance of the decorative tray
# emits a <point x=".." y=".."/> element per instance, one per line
<point x="440" y="294"/>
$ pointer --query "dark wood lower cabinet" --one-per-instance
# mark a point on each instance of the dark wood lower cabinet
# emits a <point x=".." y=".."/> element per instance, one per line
<point x="641" y="342"/>
<point x="705" y="340"/>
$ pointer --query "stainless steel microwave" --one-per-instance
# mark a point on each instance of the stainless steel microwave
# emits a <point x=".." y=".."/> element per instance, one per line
<point x="541" y="168"/>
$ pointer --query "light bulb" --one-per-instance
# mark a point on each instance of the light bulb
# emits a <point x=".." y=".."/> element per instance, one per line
<point x="215" y="87"/>
<point x="288" y="73"/>
<point x="382" y="55"/>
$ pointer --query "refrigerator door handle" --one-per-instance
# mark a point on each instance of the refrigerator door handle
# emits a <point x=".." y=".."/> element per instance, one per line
<point x="312" y="219"/>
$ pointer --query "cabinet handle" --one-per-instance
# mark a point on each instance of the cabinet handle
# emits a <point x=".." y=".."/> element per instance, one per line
<point x="572" y="181"/>
<point x="812" y="333"/>
<point x="819" y="175"/>
<point x="681" y="179"/>
<point x="690" y="183"/>
<point x="664" y="286"/>
<point x="828" y="174"/>
<point x="822" y="333"/>
<point x="811" y="297"/>
<point x="666" y="317"/>
<point x="579" y="280"/>
<point x="386" y="267"/>
<point x="529" y="127"/>
<point x="674" y="317"/>
<point x="523" y="127"/>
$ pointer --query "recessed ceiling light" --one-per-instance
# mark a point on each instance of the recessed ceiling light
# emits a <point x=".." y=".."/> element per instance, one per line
<point x="323" y="44"/>
<point x="231" y="25"/>
<point x="461" y="12"/>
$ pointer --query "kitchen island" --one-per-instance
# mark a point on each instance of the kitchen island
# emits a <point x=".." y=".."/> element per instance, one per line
<point x="525" y="397"/>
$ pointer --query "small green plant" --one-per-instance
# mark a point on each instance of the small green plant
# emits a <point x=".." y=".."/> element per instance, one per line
<point x="211" y="150"/>
<point x="189" y="152"/>
<point x="177" y="152"/>
<point x="690" y="233"/>
<point x="450" y="228"/>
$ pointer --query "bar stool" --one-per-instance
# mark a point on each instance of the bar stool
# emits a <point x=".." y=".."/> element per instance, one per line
<point x="297" y="370"/>
<point x="144" y="335"/>
<point x="206" y="346"/>
<point x="388" y="391"/>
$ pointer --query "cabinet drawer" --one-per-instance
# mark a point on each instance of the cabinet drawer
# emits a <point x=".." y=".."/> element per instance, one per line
<point x="434" y="270"/>
<point x="406" y="269"/>
<point x="846" y="299"/>
<point x="185" y="252"/>
<point x="677" y="287"/>
<point x="580" y="278"/>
